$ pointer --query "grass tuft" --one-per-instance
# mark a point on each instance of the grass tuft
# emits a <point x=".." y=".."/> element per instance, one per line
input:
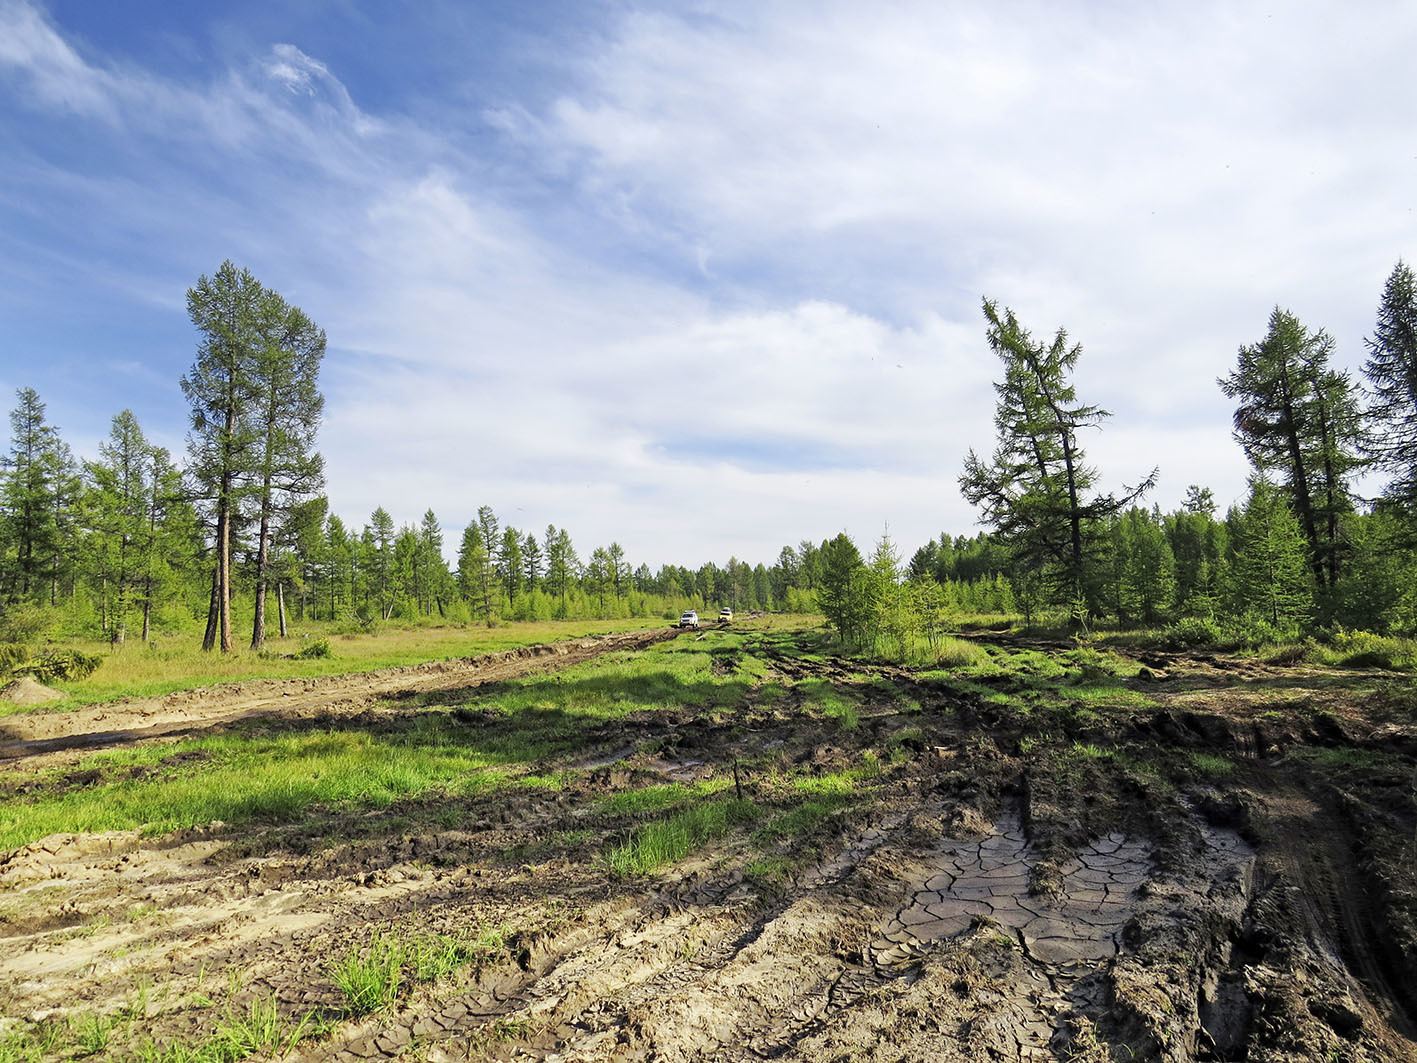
<point x="370" y="978"/>
<point x="670" y="840"/>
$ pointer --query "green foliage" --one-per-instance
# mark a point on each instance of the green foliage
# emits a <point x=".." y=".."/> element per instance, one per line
<point x="1193" y="633"/>
<point x="1034" y="490"/>
<point x="317" y="650"/>
<point x="11" y="655"/>
<point x="51" y="666"/>
<point x="847" y="595"/>
<point x="1391" y="370"/>
<point x="1299" y="419"/>
<point x="1363" y="649"/>
<point x="27" y="622"/>
<point x="1272" y="580"/>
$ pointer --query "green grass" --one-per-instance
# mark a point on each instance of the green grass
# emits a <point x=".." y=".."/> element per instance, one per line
<point x="370" y="978"/>
<point x="960" y="653"/>
<point x="259" y="1030"/>
<point x="659" y="797"/>
<point x="272" y="777"/>
<point x="669" y="840"/>
<point x="803" y="820"/>
<point x="1339" y="758"/>
<point x="179" y="664"/>
<point x="831" y="702"/>
<point x="1215" y="767"/>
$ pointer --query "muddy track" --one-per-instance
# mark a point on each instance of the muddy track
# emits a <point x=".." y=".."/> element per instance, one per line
<point x="95" y="727"/>
<point x="985" y="903"/>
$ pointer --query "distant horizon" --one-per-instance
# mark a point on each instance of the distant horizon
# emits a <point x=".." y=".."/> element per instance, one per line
<point x="705" y="285"/>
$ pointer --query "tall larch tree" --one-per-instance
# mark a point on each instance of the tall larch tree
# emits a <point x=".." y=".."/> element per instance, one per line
<point x="379" y="535"/>
<point x="288" y="470"/>
<point x="1036" y="490"/>
<point x="1391" y="370"/>
<point x="531" y="559"/>
<point x="223" y="389"/>
<point x="30" y="499"/>
<point x="117" y="512"/>
<point x="475" y="573"/>
<point x="1298" y="419"/>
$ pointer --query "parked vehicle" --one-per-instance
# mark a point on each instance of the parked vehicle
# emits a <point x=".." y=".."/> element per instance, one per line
<point x="689" y="619"/>
<point x="725" y="615"/>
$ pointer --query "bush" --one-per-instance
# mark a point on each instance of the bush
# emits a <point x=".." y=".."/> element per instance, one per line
<point x="1253" y="632"/>
<point x="1363" y="649"/>
<point x="315" y="650"/>
<point x="358" y="625"/>
<point x="1192" y="633"/>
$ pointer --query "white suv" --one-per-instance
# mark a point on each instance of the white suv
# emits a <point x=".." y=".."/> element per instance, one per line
<point x="689" y="619"/>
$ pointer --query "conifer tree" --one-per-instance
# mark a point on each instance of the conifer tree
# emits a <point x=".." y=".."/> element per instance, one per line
<point x="287" y="469"/>
<point x="222" y="388"/>
<point x="845" y="594"/>
<point x="510" y="556"/>
<point x="475" y="573"/>
<point x="379" y="538"/>
<point x="432" y="569"/>
<point x="32" y="501"/>
<point x="341" y="559"/>
<point x="531" y="558"/>
<point x="1034" y="491"/>
<point x="1272" y="577"/>
<point x="1391" y="370"/>
<point x="1298" y="418"/>
<point x="117" y="514"/>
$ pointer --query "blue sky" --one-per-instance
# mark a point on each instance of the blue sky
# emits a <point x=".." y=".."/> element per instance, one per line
<point x="701" y="278"/>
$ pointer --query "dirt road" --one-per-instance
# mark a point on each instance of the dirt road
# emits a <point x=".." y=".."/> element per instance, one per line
<point x="94" y="727"/>
<point x="1210" y="860"/>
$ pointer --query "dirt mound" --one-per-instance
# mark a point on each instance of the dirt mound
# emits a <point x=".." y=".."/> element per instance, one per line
<point x="27" y="690"/>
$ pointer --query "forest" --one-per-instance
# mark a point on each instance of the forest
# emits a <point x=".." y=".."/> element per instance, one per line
<point x="136" y="542"/>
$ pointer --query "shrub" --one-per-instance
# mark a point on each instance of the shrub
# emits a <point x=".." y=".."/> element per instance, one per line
<point x="1192" y="633"/>
<point x="317" y="649"/>
<point x="1363" y="649"/>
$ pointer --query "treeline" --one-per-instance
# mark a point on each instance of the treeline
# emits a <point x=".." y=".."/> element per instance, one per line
<point x="130" y="540"/>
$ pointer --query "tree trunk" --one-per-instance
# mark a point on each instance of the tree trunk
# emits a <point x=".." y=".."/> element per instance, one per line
<point x="280" y="609"/>
<point x="209" y="639"/>
<point x="223" y="569"/>
<point x="263" y="561"/>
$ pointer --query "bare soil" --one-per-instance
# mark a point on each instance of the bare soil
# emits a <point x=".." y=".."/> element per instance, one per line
<point x="1225" y="869"/>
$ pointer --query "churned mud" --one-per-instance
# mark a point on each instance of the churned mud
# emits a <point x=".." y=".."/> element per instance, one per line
<point x="1215" y="861"/>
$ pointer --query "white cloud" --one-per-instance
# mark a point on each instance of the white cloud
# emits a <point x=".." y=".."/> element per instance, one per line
<point x="723" y="294"/>
<point x="52" y="70"/>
